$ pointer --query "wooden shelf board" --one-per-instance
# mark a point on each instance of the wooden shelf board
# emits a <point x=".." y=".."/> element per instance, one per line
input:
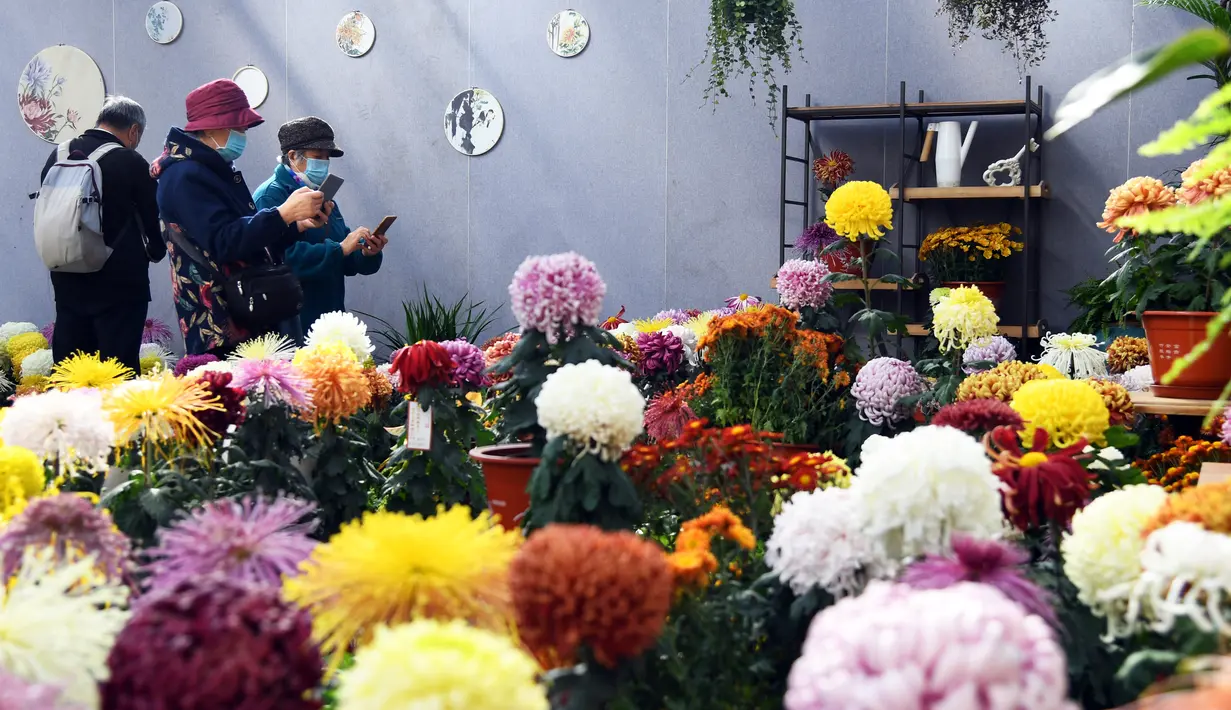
<point x="877" y="285"/>
<point x="1148" y="403"/>
<point x="1009" y="107"/>
<point x="973" y="192"/>
<point x="1009" y="331"/>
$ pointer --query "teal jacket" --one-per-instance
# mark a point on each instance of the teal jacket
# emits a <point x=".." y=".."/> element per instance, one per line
<point x="316" y="258"/>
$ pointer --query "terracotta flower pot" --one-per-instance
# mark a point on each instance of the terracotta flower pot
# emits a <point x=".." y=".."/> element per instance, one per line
<point x="787" y="451"/>
<point x="994" y="290"/>
<point x="842" y="261"/>
<point x="1172" y="335"/>
<point x="506" y="472"/>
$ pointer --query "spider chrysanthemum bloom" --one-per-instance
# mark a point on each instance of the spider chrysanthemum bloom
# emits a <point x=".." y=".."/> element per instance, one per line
<point x="1002" y="381"/>
<point x="666" y="415"/>
<point x="389" y="568"/>
<point x="1070" y="410"/>
<point x="154" y="357"/>
<point x="274" y="381"/>
<point x="79" y="371"/>
<point x="996" y="349"/>
<point x="68" y="426"/>
<point x="271" y="346"/>
<point x="1040" y="486"/>
<point x="611" y="323"/>
<point x="881" y="385"/>
<point x="801" y="284"/>
<point x="253" y="540"/>
<point x="815" y="238"/>
<point x="22" y="477"/>
<point x="1194" y="190"/>
<point x="651" y="325"/>
<point x="833" y="169"/>
<point x="1117" y="400"/>
<point x="1074" y="354"/>
<point x="162" y="409"/>
<point x="1126" y="352"/>
<point x="214" y="642"/>
<point x="58" y="621"/>
<point x="1137" y="196"/>
<point x="155" y="331"/>
<point x="72" y="527"/>
<point x="743" y="302"/>
<point x="978" y="416"/>
<point x="21" y="695"/>
<point x="456" y="667"/>
<point x="576" y="585"/>
<point x="859" y="209"/>
<point x="963" y="317"/>
<point x="345" y="328"/>
<point x="818" y="541"/>
<point x="339" y="388"/>
<point x="555" y="294"/>
<point x="597" y="407"/>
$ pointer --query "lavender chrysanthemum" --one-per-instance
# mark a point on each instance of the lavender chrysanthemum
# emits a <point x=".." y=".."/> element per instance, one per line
<point x="677" y="316"/>
<point x="48" y="331"/>
<point x="996" y="564"/>
<point x="815" y="238"/>
<point x="74" y="528"/>
<point x="801" y="284"/>
<point x="188" y="363"/>
<point x="1137" y="379"/>
<point x="742" y="302"/>
<point x="660" y="353"/>
<point x="156" y="331"/>
<point x="21" y="695"/>
<point x="880" y="385"/>
<point x="995" y="349"/>
<point x="252" y="540"/>
<point x="274" y="382"/>
<point x="555" y="294"/>
<point x="468" y="363"/>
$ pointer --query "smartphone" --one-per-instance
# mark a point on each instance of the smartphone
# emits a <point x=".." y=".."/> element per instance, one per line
<point x="384" y="225"/>
<point x="331" y="185"/>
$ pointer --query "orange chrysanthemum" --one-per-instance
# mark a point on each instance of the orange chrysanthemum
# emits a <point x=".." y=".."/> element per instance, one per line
<point x="694" y="561"/>
<point x="1193" y="191"/>
<point x="752" y="323"/>
<point x="1126" y="352"/>
<point x="576" y="585"/>
<point x="1119" y="403"/>
<point x="628" y="346"/>
<point x="1208" y="506"/>
<point x="379" y="386"/>
<point x="1000" y="382"/>
<point x="1137" y="196"/>
<point x="339" y="387"/>
<point x="1179" y="467"/>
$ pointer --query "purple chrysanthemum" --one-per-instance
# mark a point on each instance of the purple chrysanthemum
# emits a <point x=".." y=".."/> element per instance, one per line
<point x="73" y="526"/>
<point x="815" y="238"/>
<point x="215" y="642"/>
<point x="188" y="363"/>
<point x="19" y="694"/>
<point x="880" y="385"/>
<point x="801" y="284"/>
<point x="156" y="331"/>
<point x="220" y="385"/>
<point x="468" y="363"/>
<point x="49" y="331"/>
<point x="252" y="540"/>
<point x="677" y="316"/>
<point x="275" y="382"/>
<point x="555" y="294"/>
<point x="996" y="564"/>
<point x="661" y="352"/>
<point x="1226" y="426"/>
<point x="996" y="349"/>
<point x="742" y="302"/>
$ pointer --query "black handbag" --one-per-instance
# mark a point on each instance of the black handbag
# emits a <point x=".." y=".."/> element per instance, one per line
<point x="257" y="297"/>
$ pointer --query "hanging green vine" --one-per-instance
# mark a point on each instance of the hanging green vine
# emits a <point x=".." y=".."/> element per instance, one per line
<point x="753" y="37"/>
<point x="1016" y="23"/>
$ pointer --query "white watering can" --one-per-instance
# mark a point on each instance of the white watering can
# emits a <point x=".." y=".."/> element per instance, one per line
<point x="951" y="152"/>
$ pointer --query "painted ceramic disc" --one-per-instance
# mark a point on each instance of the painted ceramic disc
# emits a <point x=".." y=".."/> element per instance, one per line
<point x="568" y="33"/>
<point x="474" y="122"/>
<point x="59" y="93"/>
<point x="254" y="84"/>
<point x="164" y="22"/>
<point x="355" y="34"/>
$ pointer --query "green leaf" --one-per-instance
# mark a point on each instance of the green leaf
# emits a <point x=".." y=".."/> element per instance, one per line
<point x="1208" y="10"/>
<point x="1120" y="438"/>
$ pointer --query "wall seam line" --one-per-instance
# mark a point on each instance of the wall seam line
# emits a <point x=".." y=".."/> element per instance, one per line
<point x="1132" y="46"/>
<point x="667" y="159"/>
<point x="470" y="84"/>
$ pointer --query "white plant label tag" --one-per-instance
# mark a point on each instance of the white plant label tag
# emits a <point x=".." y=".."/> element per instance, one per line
<point x="418" y="427"/>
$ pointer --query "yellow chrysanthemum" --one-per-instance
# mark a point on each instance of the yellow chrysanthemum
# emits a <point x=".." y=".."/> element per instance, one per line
<point x="20" y="346"/>
<point x="162" y="408"/>
<point x="1070" y="410"/>
<point x="271" y="346"/>
<point x="32" y="384"/>
<point x="649" y="325"/>
<point x="80" y="370"/>
<point x="339" y="387"/>
<point x="701" y="324"/>
<point x="389" y="568"/>
<point x="1051" y="373"/>
<point x="962" y="317"/>
<point x="22" y="477"/>
<point x="859" y="209"/>
<point x="455" y="667"/>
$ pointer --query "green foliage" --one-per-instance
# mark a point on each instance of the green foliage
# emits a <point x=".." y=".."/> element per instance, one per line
<point x="752" y="36"/>
<point x="431" y="319"/>
<point x="1213" y="12"/>
<point x="420" y="481"/>
<point x="153" y="495"/>
<point x="1099" y="308"/>
<point x="569" y="486"/>
<point x="340" y="476"/>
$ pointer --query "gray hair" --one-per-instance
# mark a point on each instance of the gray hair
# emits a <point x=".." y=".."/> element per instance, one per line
<point x="122" y="112"/>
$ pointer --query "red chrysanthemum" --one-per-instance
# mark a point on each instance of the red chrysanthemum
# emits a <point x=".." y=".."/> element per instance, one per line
<point x="424" y="364"/>
<point x="978" y="416"/>
<point x="833" y="169"/>
<point x="666" y="416"/>
<point x="614" y="321"/>
<point x="1040" y="487"/>
<point x="576" y="586"/>
<point x="233" y="410"/>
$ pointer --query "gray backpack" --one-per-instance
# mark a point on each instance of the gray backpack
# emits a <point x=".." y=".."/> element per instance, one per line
<point x="68" y="213"/>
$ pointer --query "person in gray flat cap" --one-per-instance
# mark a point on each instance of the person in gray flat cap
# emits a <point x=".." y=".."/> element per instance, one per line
<point x="321" y="258"/>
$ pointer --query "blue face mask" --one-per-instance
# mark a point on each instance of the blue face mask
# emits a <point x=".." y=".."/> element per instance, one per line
<point x="316" y="172"/>
<point x="236" y="142"/>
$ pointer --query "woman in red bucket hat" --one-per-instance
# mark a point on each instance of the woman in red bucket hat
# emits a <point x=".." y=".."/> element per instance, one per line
<point x="225" y="253"/>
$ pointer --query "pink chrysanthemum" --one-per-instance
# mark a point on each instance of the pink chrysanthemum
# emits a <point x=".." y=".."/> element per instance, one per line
<point x="996" y="564"/>
<point x="967" y="646"/>
<point x="251" y="540"/>
<point x="801" y="284"/>
<point x="17" y="694"/>
<point x="880" y="385"/>
<point x="156" y="331"/>
<point x="660" y="353"/>
<point x="666" y="416"/>
<point x="73" y="526"/>
<point x="468" y="363"/>
<point x="741" y="302"/>
<point x="188" y="363"/>
<point x="679" y="316"/>
<point x="555" y="294"/>
<point x="273" y="382"/>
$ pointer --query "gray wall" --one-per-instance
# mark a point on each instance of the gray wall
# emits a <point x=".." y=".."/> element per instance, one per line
<point x="611" y="153"/>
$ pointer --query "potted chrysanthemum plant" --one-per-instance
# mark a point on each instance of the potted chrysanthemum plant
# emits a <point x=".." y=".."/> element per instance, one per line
<point x="964" y="320"/>
<point x="971" y="256"/>
<point x="558" y="301"/>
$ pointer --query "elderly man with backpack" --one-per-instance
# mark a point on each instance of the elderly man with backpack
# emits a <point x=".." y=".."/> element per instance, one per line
<point x="96" y="228"/>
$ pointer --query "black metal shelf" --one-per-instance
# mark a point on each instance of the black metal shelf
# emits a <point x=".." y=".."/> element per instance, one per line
<point x="931" y="109"/>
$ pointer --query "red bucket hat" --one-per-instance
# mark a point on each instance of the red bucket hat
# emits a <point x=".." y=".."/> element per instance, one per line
<point x="220" y="104"/>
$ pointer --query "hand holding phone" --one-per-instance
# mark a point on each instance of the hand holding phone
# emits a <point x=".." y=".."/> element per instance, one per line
<point x="331" y="186"/>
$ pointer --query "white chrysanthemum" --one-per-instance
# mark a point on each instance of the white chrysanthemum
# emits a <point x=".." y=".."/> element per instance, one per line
<point x="38" y="362"/>
<point x="629" y="329"/>
<point x="917" y="489"/>
<point x="387" y="370"/>
<point x="68" y="425"/>
<point x="58" y="621"/>
<point x="215" y="366"/>
<point x="12" y="328"/>
<point x="271" y="346"/>
<point x="1074" y="354"/>
<point x="689" y="338"/>
<point x="1102" y="554"/>
<point x="6" y="385"/>
<point x="818" y="541"/>
<point x="345" y="328"/>
<point x="1186" y="574"/>
<point x="1137" y="379"/>
<point x="155" y="357"/>
<point x="596" y="406"/>
<point x="1105" y="454"/>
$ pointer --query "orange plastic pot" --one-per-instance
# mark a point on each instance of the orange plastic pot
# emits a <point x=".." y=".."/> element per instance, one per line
<point x="1172" y="335"/>
<point x="506" y="472"/>
<point x="788" y="451"/>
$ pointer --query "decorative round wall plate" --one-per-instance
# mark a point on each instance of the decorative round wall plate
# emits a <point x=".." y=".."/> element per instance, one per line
<point x="254" y="84"/>
<point x="164" y="22"/>
<point x="568" y="33"/>
<point x="474" y="122"/>
<point x="59" y="93"/>
<point x="355" y="34"/>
